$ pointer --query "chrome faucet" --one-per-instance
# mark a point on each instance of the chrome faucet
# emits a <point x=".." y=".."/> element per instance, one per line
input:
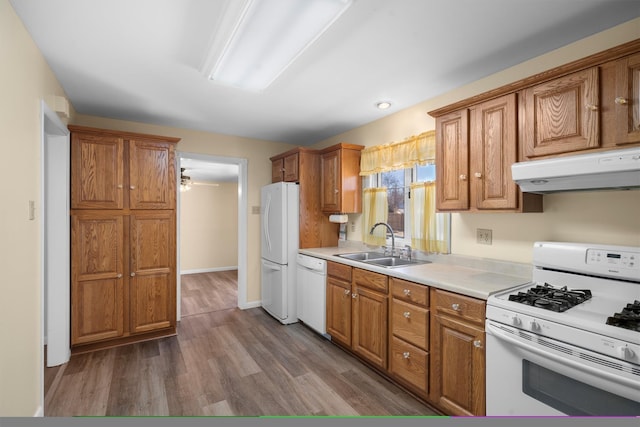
<point x="393" y="240"/>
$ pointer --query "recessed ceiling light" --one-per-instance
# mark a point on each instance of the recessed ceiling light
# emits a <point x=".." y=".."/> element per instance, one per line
<point x="383" y="105"/>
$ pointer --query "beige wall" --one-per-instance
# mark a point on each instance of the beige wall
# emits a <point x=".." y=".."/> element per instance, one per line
<point x="25" y="80"/>
<point x="209" y="227"/>
<point x="593" y="217"/>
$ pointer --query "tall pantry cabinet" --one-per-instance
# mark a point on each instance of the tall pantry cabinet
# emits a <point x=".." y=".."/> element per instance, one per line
<point x="123" y="227"/>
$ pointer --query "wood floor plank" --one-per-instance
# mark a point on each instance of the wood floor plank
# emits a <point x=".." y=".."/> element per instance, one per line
<point x="225" y="362"/>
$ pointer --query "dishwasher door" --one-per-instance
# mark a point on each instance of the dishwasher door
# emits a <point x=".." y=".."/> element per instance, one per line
<point x="311" y="278"/>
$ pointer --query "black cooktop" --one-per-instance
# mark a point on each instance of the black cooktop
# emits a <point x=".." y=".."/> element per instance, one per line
<point x="549" y="297"/>
<point x="628" y="318"/>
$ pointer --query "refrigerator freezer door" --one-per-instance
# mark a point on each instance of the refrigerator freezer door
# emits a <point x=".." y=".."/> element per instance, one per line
<point x="274" y="289"/>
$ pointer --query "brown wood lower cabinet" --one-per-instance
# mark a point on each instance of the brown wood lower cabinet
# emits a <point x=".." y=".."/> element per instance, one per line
<point x="457" y="353"/>
<point x="428" y="340"/>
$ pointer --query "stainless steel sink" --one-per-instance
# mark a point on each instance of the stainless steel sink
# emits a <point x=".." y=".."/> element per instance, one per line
<point x="381" y="260"/>
<point x="395" y="262"/>
<point x="362" y="256"/>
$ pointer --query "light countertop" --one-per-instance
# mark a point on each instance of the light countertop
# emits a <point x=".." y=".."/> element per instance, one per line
<point x="471" y="276"/>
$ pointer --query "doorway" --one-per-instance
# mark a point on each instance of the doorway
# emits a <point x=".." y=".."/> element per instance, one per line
<point x="212" y="229"/>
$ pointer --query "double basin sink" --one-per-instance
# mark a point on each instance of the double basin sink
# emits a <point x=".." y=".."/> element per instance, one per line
<point x="381" y="260"/>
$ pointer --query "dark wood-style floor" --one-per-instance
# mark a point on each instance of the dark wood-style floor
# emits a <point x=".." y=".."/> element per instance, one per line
<point x="224" y="361"/>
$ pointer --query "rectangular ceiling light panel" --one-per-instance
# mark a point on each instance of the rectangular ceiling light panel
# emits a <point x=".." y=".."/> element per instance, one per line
<point x="269" y="36"/>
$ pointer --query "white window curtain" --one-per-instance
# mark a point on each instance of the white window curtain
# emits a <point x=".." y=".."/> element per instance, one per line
<point x="374" y="209"/>
<point x="430" y="230"/>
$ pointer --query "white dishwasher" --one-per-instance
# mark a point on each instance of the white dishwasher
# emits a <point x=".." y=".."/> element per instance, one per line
<point x="311" y="278"/>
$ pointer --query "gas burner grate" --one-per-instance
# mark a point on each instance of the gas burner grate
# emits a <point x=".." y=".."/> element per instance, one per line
<point x="549" y="297"/>
<point x="628" y="318"/>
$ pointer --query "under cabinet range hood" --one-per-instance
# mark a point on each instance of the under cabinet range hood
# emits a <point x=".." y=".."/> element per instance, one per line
<point x="615" y="169"/>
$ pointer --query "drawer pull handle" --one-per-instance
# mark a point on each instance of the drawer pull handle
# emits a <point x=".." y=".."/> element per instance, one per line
<point x="455" y="306"/>
<point x="407" y="292"/>
<point x="477" y="344"/>
<point x="347" y="291"/>
<point x="406" y="314"/>
<point x="406" y="355"/>
<point x="621" y="100"/>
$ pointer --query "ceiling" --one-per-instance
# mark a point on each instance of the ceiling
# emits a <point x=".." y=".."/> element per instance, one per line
<point x="140" y="60"/>
<point x="203" y="171"/>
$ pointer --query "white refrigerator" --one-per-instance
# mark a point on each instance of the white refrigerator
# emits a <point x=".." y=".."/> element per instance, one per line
<point x="279" y="247"/>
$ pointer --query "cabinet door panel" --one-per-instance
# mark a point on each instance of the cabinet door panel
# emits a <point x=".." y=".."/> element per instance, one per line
<point x="370" y="326"/>
<point x="96" y="172"/>
<point x="493" y="148"/>
<point x="291" y="168"/>
<point x="452" y="157"/>
<point x="152" y="285"/>
<point x="628" y="99"/>
<point x="410" y="322"/>
<point x="277" y="170"/>
<point x="409" y="363"/>
<point x="458" y="367"/>
<point x="330" y="181"/>
<point x="97" y="297"/>
<point x="339" y="310"/>
<point x="562" y="115"/>
<point x="152" y="175"/>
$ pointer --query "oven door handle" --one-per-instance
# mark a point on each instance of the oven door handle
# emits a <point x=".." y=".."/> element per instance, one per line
<point x="492" y="330"/>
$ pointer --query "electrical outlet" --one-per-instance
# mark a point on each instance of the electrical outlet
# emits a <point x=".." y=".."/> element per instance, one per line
<point x="483" y="236"/>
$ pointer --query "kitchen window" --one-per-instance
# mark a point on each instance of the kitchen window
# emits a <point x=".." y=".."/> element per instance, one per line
<point x="399" y="189"/>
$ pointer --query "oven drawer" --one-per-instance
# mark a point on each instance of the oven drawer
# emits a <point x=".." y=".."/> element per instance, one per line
<point x="410" y="322"/>
<point x="456" y="305"/>
<point x="410" y="364"/>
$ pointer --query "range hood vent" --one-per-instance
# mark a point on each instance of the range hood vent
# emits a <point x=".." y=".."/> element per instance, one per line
<point x="616" y="169"/>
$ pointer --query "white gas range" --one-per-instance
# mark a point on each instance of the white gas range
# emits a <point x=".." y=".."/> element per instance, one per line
<point x="567" y="343"/>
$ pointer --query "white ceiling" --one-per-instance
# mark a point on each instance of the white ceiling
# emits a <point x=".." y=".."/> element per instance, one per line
<point x="139" y="60"/>
<point x="202" y="171"/>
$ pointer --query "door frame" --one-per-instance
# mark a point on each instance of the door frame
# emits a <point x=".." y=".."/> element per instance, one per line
<point x="242" y="223"/>
<point x="54" y="237"/>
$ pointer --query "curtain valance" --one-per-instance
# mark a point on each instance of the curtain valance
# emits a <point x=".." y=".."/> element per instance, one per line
<point x="419" y="149"/>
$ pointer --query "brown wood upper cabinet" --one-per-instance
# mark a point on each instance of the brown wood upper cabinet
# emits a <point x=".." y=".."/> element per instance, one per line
<point x="562" y="115"/>
<point x="475" y="148"/>
<point x="285" y="168"/>
<point x="340" y="182"/>
<point x="627" y="100"/>
<point x="102" y="177"/>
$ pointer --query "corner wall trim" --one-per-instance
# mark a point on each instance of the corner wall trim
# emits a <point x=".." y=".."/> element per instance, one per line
<point x="251" y="304"/>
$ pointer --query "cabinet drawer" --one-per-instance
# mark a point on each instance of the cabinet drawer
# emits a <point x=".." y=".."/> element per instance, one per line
<point x="368" y="279"/>
<point x="341" y="271"/>
<point x="457" y="305"/>
<point x="410" y="364"/>
<point x="410" y="291"/>
<point x="411" y="323"/>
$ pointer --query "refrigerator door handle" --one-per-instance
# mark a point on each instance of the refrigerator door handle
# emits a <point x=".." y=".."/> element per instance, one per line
<point x="265" y="222"/>
<point x="271" y="266"/>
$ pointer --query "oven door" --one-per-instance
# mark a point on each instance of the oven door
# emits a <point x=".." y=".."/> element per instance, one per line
<point x="530" y="375"/>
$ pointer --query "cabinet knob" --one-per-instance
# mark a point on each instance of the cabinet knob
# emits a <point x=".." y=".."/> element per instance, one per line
<point x="336" y="191"/>
<point x="406" y="314"/>
<point x="621" y="100"/>
<point x="132" y="187"/>
<point x="406" y="355"/>
<point x="478" y="175"/>
<point x="463" y="177"/>
<point x="477" y="344"/>
<point x="354" y="295"/>
<point x="406" y="292"/>
<point x="347" y="291"/>
<point x="119" y="276"/>
<point x="133" y="274"/>
<point x="591" y="107"/>
<point x="455" y="306"/>
<point x="120" y="186"/>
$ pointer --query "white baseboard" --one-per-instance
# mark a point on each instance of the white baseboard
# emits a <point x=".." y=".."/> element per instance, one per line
<point x="252" y="304"/>
<point x="208" y="270"/>
<point x="39" y="412"/>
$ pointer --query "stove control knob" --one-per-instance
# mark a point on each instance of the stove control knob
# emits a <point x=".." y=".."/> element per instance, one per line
<point x="625" y="352"/>
<point x="534" y="325"/>
<point x="516" y="320"/>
